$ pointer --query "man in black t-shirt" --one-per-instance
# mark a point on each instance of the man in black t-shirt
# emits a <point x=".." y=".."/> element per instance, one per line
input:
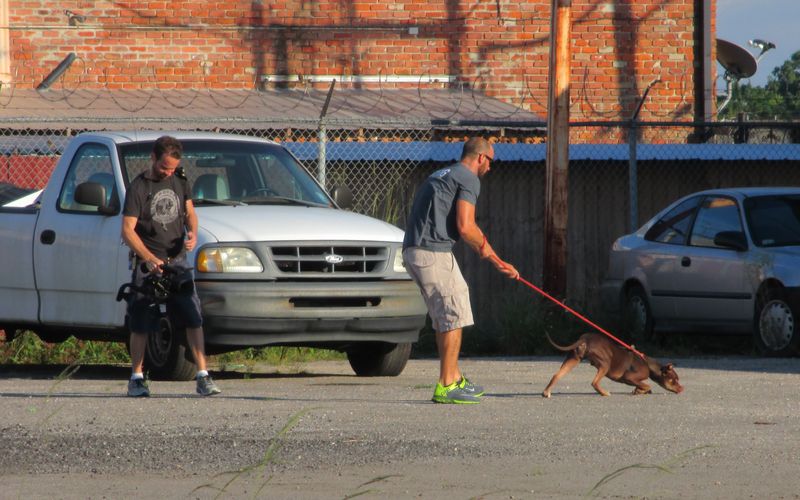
<point x="159" y="225"/>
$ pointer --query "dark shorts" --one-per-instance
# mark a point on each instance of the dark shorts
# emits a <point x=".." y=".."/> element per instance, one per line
<point x="182" y="308"/>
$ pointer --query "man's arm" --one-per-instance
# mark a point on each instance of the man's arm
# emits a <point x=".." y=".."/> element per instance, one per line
<point x="135" y="243"/>
<point x="474" y="237"/>
<point x="191" y="226"/>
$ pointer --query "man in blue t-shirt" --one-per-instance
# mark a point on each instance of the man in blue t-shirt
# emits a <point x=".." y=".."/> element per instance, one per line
<point x="443" y="212"/>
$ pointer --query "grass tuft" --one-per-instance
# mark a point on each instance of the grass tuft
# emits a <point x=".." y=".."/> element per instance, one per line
<point x="269" y="457"/>
<point x="666" y="467"/>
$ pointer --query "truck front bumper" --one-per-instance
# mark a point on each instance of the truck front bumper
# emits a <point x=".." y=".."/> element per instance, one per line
<point x="237" y="313"/>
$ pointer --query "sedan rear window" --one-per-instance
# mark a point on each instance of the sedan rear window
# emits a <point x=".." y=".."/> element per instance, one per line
<point x="674" y="226"/>
<point x="774" y="220"/>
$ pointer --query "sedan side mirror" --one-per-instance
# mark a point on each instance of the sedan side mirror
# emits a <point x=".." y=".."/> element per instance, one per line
<point x="731" y="239"/>
<point x="343" y="197"/>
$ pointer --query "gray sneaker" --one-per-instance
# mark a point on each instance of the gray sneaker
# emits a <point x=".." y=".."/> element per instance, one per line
<point x="206" y="386"/>
<point x="453" y="394"/>
<point x="138" y="388"/>
<point x="465" y="385"/>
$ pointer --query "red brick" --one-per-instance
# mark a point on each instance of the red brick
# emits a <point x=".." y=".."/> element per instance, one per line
<point x="507" y="56"/>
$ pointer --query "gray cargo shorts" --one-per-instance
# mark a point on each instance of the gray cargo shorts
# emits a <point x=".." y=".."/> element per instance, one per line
<point x="443" y="288"/>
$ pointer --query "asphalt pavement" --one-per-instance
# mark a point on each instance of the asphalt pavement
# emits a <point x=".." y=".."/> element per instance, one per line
<point x="317" y="431"/>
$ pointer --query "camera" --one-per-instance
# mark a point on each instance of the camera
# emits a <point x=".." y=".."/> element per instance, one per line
<point x="171" y="280"/>
<point x="160" y="286"/>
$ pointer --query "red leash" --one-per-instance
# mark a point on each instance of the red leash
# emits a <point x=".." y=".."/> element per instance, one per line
<point x="577" y="314"/>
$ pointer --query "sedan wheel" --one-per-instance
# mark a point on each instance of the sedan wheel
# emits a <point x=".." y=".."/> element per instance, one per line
<point x="775" y="332"/>
<point x="637" y="320"/>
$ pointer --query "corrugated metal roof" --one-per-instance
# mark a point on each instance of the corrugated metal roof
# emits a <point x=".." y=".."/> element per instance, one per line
<point x="446" y="151"/>
<point x="349" y="108"/>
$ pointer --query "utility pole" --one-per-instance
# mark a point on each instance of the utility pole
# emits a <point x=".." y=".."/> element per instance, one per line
<point x="557" y="160"/>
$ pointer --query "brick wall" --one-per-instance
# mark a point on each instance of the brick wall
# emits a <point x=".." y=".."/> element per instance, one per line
<point x="498" y="46"/>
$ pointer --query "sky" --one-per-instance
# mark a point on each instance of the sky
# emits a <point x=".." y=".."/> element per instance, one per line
<point x="776" y="21"/>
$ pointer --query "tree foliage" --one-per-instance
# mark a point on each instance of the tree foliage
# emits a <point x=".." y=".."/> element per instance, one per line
<point x="779" y="99"/>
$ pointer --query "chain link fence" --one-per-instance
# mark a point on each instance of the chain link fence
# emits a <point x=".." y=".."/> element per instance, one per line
<point x="620" y="174"/>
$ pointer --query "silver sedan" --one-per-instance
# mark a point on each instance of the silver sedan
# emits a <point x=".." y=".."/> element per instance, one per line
<point x="722" y="260"/>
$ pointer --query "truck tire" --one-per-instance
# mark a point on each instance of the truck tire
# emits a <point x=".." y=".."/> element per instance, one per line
<point x="166" y="355"/>
<point x="379" y="359"/>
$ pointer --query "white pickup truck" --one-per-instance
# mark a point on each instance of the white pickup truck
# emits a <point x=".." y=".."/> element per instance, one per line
<point x="277" y="261"/>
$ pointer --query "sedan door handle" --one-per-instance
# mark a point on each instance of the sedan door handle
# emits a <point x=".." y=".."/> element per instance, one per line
<point x="686" y="262"/>
<point x="48" y="237"/>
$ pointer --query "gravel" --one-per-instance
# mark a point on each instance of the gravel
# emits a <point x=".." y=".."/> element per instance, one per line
<point x="316" y="431"/>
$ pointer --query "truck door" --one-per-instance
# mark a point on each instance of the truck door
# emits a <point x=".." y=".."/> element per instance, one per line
<point x="79" y="258"/>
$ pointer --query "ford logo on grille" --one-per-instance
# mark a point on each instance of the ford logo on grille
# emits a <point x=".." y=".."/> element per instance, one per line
<point x="332" y="258"/>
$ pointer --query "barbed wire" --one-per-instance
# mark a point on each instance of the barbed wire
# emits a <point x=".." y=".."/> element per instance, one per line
<point x="77" y="91"/>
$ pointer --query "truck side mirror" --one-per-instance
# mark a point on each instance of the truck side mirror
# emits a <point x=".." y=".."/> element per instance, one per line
<point x="343" y="197"/>
<point x="94" y="194"/>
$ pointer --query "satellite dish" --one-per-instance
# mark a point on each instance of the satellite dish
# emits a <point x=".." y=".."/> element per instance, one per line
<point x="737" y="61"/>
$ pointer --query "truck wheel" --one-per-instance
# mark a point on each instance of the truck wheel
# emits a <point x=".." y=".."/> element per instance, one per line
<point x="165" y="357"/>
<point x="379" y="359"/>
<point x="775" y="331"/>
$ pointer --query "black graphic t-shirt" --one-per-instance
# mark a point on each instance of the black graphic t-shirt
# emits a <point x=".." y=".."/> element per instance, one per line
<point x="160" y="209"/>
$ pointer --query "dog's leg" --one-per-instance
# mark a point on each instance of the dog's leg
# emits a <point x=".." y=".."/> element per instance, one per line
<point x="601" y="372"/>
<point x="642" y="388"/>
<point x="567" y="366"/>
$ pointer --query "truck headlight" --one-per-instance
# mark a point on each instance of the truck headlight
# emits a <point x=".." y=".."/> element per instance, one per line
<point x="228" y="260"/>
<point x="399" y="267"/>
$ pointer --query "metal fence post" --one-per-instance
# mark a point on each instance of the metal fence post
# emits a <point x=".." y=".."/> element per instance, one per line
<point x="633" y="189"/>
<point x="633" y="137"/>
<point x="322" y="138"/>
<point x="322" y="141"/>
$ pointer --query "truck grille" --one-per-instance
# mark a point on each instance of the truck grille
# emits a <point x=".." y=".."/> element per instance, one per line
<point x="338" y="259"/>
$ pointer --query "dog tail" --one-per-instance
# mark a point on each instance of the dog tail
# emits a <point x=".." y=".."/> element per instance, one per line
<point x="568" y="348"/>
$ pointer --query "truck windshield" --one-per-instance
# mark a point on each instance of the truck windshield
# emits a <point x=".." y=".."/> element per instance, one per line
<point x="234" y="171"/>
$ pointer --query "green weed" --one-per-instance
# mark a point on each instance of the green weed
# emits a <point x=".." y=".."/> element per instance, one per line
<point x="276" y="356"/>
<point x="269" y="457"/>
<point x="666" y="467"/>
<point x="517" y="330"/>
<point x="28" y="348"/>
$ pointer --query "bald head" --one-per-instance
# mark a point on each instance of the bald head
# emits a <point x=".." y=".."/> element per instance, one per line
<point x="476" y="146"/>
<point x="477" y="155"/>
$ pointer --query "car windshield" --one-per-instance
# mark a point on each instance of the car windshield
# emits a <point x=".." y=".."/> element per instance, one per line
<point x="774" y="220"/>
<point x="234" y="172"/>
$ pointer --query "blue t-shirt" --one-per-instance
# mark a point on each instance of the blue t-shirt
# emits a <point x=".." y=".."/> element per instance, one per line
<point x="432" y="222"/>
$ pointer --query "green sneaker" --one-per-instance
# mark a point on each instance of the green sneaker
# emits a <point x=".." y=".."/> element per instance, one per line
<point x="469" y="387"/>
<point x="453" y="394"/>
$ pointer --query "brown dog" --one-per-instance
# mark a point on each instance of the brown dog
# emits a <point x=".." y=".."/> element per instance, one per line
<point x="615" y="362"/>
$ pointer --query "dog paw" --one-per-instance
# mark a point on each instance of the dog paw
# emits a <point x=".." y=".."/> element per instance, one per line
<point x="546" y="394"/>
